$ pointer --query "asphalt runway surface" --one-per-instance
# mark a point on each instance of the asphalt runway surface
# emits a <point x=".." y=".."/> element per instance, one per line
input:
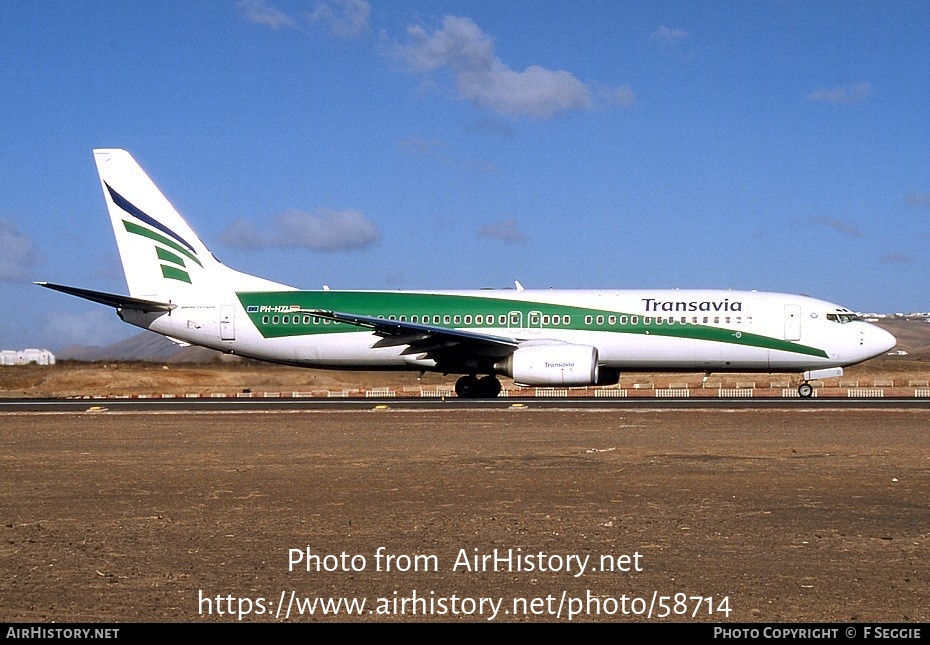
<point x="501" y="515"/>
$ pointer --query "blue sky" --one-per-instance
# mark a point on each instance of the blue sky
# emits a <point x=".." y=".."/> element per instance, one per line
<point x="780" y="146"/>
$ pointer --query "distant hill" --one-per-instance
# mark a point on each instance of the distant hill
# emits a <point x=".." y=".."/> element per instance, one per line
<point x="144" y="346"/>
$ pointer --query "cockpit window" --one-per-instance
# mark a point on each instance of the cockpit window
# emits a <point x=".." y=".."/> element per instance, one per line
<point x="843" y="318"/>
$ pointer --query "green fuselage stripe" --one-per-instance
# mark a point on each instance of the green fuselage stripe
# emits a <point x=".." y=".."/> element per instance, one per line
<point x="276" y="315"/>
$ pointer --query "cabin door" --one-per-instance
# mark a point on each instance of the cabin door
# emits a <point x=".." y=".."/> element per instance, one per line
<point x="228" y="322"/>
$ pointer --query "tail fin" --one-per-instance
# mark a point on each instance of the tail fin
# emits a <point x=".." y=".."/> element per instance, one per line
<point x="163" y="258"/>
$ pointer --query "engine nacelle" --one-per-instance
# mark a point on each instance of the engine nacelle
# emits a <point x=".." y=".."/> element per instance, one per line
<point x="571" y="365"/>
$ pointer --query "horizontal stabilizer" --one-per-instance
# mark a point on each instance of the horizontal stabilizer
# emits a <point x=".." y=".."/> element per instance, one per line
<point x="111" y="299"/>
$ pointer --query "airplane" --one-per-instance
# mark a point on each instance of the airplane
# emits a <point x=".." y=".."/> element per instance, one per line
<point x="543" y="338"/>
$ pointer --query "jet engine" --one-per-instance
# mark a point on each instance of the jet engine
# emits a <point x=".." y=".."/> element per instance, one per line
<point x="543" y="365"/>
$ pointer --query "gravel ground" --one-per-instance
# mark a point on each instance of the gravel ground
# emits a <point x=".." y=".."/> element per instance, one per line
<point x="732" y="516"/>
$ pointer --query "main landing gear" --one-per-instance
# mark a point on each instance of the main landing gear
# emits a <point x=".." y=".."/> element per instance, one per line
<point x="805" y="390"/>
<point x="472" y="387"/>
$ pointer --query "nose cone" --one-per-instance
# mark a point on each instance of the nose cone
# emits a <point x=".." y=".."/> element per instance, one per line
<point x="878" y="341"/>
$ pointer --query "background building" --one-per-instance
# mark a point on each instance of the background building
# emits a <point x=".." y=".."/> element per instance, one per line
<point x="26" y="357"/>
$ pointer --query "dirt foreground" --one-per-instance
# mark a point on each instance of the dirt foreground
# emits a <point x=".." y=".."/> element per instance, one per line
<point x="502" y="516"/>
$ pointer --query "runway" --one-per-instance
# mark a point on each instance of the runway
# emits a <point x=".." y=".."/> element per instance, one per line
<point x="208" y="404"/>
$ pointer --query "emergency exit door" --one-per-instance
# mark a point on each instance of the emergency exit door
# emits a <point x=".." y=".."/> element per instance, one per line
<point x="792" y="322"/>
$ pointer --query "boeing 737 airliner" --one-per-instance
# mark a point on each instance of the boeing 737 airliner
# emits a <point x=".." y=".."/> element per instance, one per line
<point x="539" y="338"/>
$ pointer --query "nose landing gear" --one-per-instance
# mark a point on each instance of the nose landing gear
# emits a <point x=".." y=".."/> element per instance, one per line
<point x="806" y="390"/>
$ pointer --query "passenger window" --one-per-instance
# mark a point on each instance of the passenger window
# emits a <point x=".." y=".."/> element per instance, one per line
<point x="600" y="320"/>
<point x="611" y="320"/>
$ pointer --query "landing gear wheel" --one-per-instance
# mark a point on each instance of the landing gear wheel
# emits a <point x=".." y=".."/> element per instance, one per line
<point x="468" y="387"/>
<point x="805" y="390"/>
<point x="490" y="387"/>
<point x="471" y="387"/>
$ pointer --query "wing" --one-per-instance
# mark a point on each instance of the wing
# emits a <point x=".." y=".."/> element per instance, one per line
<point x="450" y="347"/>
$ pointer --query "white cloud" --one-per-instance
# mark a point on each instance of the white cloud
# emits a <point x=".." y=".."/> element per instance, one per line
<point x="468" y="53"/>
<point x="421" y="145"/>
<point x="17" y="253"/>
<point x="345" y="18"/>
<point x="506" y="231"/>
<point x="668" y="36"/>
<point x="837" y="225"/>
<point x="621" y="95"/>
<point x="898" y="258"/>
<point x="261" y="13"/>
<point x="841" y="94"/>
<point x="918" y="199"/>
<point x="437" y="150"/>
<point x="493" y="126"/>
<point x="324" y="230"/>
<point x="672" y="41"/>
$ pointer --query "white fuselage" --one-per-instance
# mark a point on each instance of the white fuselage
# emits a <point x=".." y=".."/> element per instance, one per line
<point x="687" y="330"/>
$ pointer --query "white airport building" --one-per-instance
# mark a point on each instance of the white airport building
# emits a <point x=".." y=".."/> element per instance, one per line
<point x="26" y="357"/>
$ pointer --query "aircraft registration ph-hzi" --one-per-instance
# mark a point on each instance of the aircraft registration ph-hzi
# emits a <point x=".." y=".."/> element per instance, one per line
<point x="564" y="338"/>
